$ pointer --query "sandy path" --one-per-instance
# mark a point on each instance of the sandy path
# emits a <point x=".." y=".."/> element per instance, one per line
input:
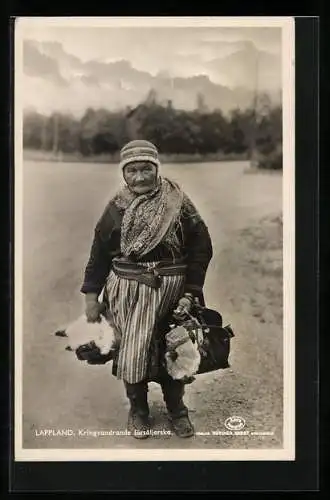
<point x="243" y="282"/>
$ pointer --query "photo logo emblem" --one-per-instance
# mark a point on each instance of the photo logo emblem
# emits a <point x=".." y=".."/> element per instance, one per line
<point x="235" y="423"/>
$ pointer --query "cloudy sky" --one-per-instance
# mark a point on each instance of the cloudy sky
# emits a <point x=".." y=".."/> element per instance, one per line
<point x="154" y="49"/>
<point x="178" y="52"/>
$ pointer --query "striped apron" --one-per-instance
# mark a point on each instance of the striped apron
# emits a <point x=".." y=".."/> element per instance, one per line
<point x="136" y="309"/>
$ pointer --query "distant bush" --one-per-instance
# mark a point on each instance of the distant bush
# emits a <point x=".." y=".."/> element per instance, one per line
<point x="271" y="161"/>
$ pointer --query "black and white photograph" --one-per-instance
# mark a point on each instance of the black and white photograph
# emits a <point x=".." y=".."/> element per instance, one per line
<point x="154" y="239"/>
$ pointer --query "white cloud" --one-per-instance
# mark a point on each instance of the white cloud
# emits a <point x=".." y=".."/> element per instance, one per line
<point x="182" y="52"/>
<point x="152" y="45"/>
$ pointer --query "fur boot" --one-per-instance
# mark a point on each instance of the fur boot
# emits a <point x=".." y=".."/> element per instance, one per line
<point x="173" y="392"/>
<point x="138" y="418"/>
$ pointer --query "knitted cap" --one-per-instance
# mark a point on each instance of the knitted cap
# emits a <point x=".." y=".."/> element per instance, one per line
<point x="138" y="150"/>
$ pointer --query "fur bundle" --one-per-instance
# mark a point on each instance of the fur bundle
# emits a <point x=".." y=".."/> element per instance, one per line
<point x="80" y="332"/>
<point x="182" y="354"/>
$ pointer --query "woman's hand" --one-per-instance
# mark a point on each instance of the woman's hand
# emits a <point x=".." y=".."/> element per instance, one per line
<point x="93" y="308"/>
<point x="183" y="307"/>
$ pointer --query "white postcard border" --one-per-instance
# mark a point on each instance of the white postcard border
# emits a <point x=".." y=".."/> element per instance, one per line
<point x="24" y="24"/>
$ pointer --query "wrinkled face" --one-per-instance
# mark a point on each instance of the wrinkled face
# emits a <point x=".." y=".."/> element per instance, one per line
<point x="140" y="176"/>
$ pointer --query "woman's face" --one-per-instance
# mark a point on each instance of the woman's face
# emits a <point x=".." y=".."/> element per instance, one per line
<point x="140" y="176"/>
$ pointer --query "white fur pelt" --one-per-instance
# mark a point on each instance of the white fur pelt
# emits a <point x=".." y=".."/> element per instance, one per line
<point x="186" y="359"/>
<point x="81" y="332"/>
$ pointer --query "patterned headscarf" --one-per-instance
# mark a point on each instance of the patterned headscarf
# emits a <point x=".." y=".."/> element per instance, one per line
<point x="149" y="218"/>
<point x="153" y="217"/>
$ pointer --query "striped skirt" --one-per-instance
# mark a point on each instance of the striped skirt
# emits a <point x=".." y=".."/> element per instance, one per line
<point x="136" y="309"/>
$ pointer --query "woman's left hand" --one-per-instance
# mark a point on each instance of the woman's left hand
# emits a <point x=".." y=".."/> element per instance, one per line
<point x="183" y="307"/>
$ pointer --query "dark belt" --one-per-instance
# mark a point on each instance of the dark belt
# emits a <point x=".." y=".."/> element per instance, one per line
<point x="151" y="275"/>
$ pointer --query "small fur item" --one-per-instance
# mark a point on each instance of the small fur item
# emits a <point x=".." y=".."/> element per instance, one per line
<point x="80" y="332"/>
<point x="182" y="354"/>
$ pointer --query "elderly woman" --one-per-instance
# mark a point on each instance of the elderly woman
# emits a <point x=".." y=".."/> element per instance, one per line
<point x="149" y="256"/>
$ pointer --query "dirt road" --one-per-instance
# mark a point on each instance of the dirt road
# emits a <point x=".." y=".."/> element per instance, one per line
<point x="61" y="203"/>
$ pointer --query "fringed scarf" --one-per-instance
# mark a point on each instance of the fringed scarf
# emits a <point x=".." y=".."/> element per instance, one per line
<point x="149" y="218"/>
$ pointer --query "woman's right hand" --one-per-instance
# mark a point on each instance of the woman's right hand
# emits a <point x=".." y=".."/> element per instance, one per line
<point x="93" y="309"/>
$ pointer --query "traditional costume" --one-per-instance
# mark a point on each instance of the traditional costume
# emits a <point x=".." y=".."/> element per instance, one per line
<point x="148" y="250"/>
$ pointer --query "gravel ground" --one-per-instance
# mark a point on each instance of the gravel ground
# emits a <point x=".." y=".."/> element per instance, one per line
<point x="61" y="204"/>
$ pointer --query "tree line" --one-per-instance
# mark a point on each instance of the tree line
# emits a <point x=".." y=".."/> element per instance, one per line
<point x="255" y="131"/>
